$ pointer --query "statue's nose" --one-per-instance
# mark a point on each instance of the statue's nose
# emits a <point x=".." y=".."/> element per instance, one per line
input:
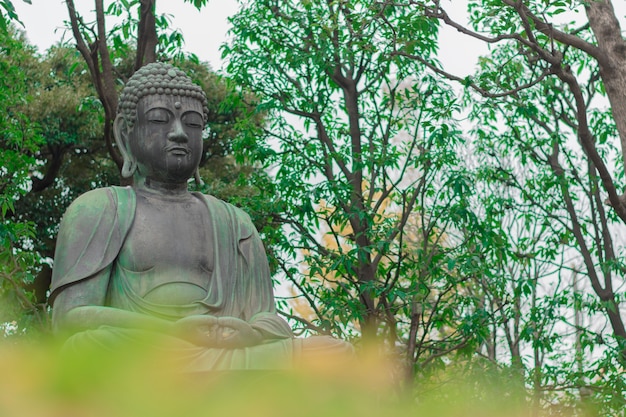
<point x="177" y="134"/>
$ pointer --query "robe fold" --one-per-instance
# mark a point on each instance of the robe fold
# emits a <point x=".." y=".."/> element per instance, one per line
<point x="91" y="236"/>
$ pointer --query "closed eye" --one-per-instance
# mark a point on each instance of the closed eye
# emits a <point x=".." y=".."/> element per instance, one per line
<point x="193" y="120"/>
<point x="158" y="116"/>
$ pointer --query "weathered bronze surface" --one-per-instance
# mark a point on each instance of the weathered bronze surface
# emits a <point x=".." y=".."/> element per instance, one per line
<point x="156" y="258"/>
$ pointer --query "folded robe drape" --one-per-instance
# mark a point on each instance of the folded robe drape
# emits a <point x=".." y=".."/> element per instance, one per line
<point x="92" y="234"/>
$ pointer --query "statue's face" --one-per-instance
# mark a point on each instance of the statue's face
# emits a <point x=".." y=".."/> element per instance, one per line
<point x="167" y="137"/>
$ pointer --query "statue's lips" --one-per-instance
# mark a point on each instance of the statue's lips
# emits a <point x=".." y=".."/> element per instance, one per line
<point x="177" y="150"/>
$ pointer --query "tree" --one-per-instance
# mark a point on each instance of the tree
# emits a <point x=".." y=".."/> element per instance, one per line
<point x="362" y="145"/>
<point x="19" y="141"/>
<point x="538" y="100"/>
<point x="567" y="63"/>
<point x="8" y="14"/>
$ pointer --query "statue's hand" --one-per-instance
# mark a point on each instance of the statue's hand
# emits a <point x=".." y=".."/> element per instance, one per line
<point x="201" y="330"/>
<point x="236" y="333"/>
<point x="211" y="331"/>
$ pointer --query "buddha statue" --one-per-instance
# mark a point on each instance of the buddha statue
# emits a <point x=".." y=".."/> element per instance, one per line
<point x="156" y="258"/>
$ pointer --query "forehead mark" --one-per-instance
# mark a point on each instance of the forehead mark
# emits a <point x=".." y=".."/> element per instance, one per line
<point x="177" y="105"/>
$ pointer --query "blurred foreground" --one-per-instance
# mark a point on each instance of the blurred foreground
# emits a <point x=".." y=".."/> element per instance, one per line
<point x="38" y="381"/>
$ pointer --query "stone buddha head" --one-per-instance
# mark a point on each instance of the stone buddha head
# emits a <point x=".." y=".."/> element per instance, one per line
<point x="159" y="125"/>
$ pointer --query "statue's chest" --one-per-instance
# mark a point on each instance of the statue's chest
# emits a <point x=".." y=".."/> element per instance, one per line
<point x="170" y="235"/>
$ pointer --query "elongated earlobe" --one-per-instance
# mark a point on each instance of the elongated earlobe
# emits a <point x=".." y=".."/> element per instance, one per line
<point x="120" y="132"/>
<point x="129" y="168"/>
<point x="197" y="179"/>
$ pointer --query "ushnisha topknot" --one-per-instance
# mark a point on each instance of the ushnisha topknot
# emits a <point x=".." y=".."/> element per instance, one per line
<point x="157" y="78"/>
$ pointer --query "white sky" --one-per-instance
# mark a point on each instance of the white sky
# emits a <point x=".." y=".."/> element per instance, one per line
<point x="203" y="31"/>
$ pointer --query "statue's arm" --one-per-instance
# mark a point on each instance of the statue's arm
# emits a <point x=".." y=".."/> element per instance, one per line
<point x="261" y="311"/>
<point x="81" y="306"/>
<point x="90" y="236"/>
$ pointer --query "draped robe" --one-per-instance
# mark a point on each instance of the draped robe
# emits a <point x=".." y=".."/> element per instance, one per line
<point x="92" y="235"/>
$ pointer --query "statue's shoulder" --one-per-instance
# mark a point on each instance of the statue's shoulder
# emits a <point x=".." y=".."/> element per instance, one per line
<point x="98" y="196"/>
<point x="103" y="198"/>
<point x="237" y="213"/>
<point x="91" y="234"/>
<point x="114" y="203"/>
<point x="234" y="214"/>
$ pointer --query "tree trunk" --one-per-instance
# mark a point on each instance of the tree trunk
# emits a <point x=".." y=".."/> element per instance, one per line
<point x="147" y="40"/>
<point x="607" y="31"/>
<point x="98" y="59"/>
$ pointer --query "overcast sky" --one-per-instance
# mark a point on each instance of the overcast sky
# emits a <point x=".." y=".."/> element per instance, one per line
<point x="204" y="31"/>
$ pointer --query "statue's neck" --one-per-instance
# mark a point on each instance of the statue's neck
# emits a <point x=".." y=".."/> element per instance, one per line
<point x="164" y="189"/>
